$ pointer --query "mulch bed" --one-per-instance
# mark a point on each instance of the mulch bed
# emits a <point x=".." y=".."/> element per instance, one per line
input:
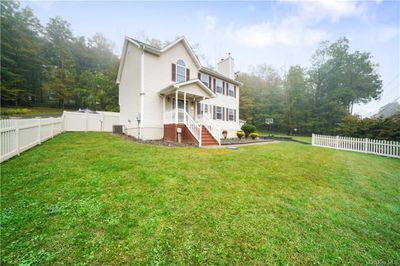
<point x="159" y="142"/>
<point x="243" y="141"/>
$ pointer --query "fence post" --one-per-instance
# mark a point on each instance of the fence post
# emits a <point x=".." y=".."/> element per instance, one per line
<point x="39" y="133"/>
<point x="366" y="145"/>
<point x="337" y="142"/>
<point x="312" y="139"/>
<point x="17" y="136"/>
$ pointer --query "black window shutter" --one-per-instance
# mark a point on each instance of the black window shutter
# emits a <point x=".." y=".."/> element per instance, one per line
<point x="199" y="75"/>
<point x="173" y="72"/>
<point x="234" y="115"/>
<point x="187" y="74"/>
<point x="234" y="92"/>
<point x="213" y="112"/>
<point x="209" y="82"/>
<point x="215" y="82"/>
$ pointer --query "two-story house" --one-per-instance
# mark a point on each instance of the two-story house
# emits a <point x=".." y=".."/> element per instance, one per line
<point x="167" y="94"/>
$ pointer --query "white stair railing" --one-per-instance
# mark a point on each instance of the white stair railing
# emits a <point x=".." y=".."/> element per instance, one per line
<point x="193" y="127"/>
<point x="212" y="128"/>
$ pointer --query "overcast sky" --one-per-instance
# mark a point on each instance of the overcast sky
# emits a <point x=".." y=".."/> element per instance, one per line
<point x="276" y="33"/>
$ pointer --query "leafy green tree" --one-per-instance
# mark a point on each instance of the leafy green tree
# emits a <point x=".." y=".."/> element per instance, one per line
<point x="61" y="73"/>
<point x="339" y="79"/>
<point x="21" y="44"/>
<point x="373" y="128"/>
<point x="297" y="102"/>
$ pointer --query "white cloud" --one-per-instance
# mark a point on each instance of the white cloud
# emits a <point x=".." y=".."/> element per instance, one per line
<point x="210" y="22"/>
<point x="315" y="11"/>
<point x="298" y="29"/>
<point x="287" y="33"/>
<point x="207" y="22"/>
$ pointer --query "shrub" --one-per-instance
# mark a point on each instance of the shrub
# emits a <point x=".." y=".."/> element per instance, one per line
<point x="14" y="111"/>
<point x="225" y="133"/>
<point x="253" y="135"/>
<point x="248" y="129"/>
<point x="240" y="134"/>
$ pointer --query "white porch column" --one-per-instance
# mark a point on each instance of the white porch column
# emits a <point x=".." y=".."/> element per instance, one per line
<point x="202" y="108"/>
<point x="176" y="107"/>
<point x="184" y="101"/>
<point x="195" y="109"/>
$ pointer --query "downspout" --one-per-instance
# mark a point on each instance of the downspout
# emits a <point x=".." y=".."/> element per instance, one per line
<point x="141" y="93"/>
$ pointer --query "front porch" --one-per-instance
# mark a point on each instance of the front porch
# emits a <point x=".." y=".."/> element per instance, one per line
<point x="186" y="116"/>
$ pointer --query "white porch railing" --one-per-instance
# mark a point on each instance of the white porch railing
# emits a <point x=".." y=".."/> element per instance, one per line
<point x="212" y="128"/>
<point x="193" y="127"/>
<point x="170" y="117"/>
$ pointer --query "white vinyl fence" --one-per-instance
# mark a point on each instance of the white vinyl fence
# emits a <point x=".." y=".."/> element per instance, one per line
<point x="18" y="135"/>
<point x="380" y="147"/>
<point x="100" y="121"/>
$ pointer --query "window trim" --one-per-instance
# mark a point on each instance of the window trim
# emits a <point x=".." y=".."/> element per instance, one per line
<point x="204" y="77"/>
<point x="180" y="101"/>
<point x="216" y="113"/>
<point x="229" y="114"/>
<point x="219" y="87"/>
<point x="231" y="89"/>
<point x="180" y="65"/>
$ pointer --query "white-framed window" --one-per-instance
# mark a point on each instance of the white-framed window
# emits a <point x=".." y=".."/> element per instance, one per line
<point x="218" y="87"/>
<point x="231" y="114"/>
<point x="231" y="90"/>
<point x="218" y="112"/>
<point x="205" y="79"/>
<point x="180" y="104"/>
<point x="206" y="106"/>
<point x="202" y="108"/>
<point x="180" y="71"/>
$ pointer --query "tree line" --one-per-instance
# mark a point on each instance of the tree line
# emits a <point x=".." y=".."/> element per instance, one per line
<point x="318" y="99"/>
<point x="49" y="66"/>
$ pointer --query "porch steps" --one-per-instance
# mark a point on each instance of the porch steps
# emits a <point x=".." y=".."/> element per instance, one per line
<point x="206" y="137"/>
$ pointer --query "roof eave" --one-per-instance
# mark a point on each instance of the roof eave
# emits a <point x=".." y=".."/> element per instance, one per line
<point x="175" y="86"/>
<point x="219" y="75"/>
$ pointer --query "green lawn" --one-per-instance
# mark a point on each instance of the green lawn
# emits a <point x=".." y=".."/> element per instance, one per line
<point x="29" y="111"/>
<point x="93" y="198"/>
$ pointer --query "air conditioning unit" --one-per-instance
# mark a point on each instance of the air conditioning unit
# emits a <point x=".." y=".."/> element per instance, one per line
<point x="117" y="129"/>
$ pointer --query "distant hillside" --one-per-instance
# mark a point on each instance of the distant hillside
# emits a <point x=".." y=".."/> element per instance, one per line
<point x="389" y="110"/>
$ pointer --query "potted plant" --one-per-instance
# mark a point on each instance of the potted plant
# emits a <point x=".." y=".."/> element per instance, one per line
<point x="225" y="133"/>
